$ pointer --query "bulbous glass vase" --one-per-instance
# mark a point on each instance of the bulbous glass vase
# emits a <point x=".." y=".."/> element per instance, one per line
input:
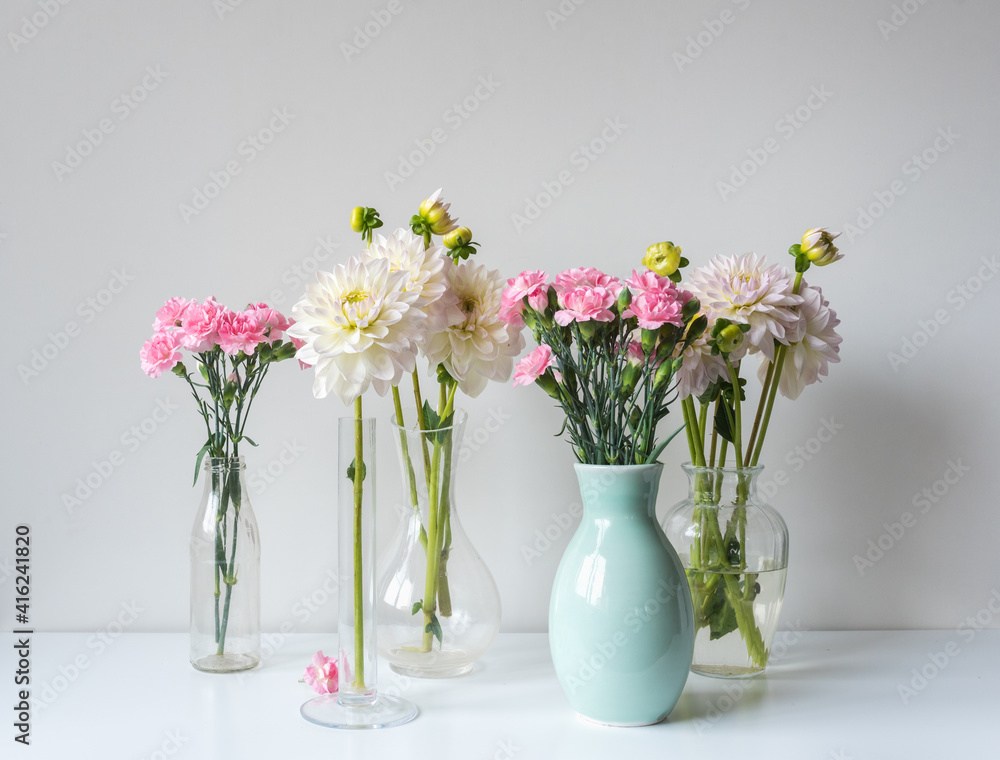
<point x="439" y="608"/>
<point x="734" y="548"/>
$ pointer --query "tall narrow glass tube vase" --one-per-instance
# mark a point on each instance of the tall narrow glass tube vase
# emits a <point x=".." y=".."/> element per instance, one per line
<point x="357" y="703"/>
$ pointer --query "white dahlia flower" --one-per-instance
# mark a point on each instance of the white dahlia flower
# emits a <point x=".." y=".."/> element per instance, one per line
<point x="427" y="275"/>
<point x="744" y="290"/>
<point x="478" y="346"/>
<point x="809" y="357"/>
<point x="699" y="369"/>
<point x="359" y="326"/>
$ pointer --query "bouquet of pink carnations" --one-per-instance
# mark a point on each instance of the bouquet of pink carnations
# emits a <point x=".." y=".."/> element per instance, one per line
<point x="233" y="352"/>
<point x="608" y="352"/>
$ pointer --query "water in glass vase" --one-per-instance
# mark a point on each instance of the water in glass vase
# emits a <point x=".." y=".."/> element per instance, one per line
<point x="719" y="647"/>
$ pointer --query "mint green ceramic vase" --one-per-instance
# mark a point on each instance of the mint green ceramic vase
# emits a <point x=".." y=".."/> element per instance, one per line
<point x="621" y="625"/>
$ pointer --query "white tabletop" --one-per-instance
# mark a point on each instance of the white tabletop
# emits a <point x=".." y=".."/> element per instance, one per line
<point x="827" y="695"/>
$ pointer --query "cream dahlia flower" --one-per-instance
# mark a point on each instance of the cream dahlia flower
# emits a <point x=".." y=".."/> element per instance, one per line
<point x="360" y="327"/>
<point x="699" y="369"/>
<point x="426" y="271"/>
<point x="809" y="358"/>
<point x="744" y="290"/>
<point x="478" y="346"/>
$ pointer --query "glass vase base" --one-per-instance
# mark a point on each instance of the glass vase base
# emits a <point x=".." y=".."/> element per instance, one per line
<point x="726" y="671"/>
<point x="225" y="663"/>
<point x="447" y="663"/>
<point x="384" y="712"/>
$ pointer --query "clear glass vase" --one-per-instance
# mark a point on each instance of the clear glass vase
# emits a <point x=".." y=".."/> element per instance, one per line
<point x="357" y="703"/>
<point x="225" y="572"/>
<point x="439" y="608"/>
<point x="734" y="548"/>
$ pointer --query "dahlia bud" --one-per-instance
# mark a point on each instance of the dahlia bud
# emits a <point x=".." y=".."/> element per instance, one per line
<point x="662" y="258"/>
<point x="357" y="219"/>
<point x="457" y="238"/>
<point x="729" y="339"/>
<point x="434" y="212"/>
<point x="817" y="246"/>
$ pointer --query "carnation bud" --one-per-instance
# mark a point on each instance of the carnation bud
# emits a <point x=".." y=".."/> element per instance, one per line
<point x="663" y="374"/>
<point x="630" y="378"/>
<point x="649" y="340"/>
<point x="357" y="219"/>
<point x="817" y="246"/>
<point x="553" y="298"/>
<point x="624" y="300"/>
<point x="662" y="258"/>
<point x="457" y="238"/>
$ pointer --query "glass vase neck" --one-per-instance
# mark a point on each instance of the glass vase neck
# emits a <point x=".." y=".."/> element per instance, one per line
<point x="722" y="485"/>
<point x="224" y="464"/>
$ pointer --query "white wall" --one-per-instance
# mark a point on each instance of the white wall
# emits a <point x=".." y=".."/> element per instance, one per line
<point x="889" y="95"/>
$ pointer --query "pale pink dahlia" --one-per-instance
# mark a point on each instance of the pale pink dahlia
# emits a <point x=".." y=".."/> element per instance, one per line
<point x="808" y="358"/>
<point x="744" y="290"/>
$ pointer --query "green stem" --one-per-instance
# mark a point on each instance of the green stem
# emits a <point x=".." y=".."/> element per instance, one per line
<point x="738" y="427"/>
<point x="433" y="553"/>
<point x="764" y="389"/>
<point x="230" y="577"/>
<point x="407" y="463"/>
<point x="422" y="424"/>
<point x="359" y="602"/>
<point x="779" y="363"/>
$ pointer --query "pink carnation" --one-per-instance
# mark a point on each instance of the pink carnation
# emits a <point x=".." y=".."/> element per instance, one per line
<point x="242" y="331"/>
<point x="587" y="277"/>
<point x="171" y="313"/>
<point x="649" y="282"/>
<point x="274" y="320"/>
<point x="654" y="310"/>
<point x="584" y="304"/>
<point x="200" y="325"/>
<point x="534" y="365"/>
<point x="321" y="675"/>
<point x="635" y="353"/>
<point x="159" y="354"/>
<point x="530" y="284"/>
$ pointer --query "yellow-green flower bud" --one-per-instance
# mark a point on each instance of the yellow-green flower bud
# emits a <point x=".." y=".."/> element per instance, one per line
<point x="357" y="219"/>
<point x="434" y="211"/>
<point x="662" y="258"/>
<point x="730" y="338"/>
<point x="457" y="238"/>
<point x="630" y="378"/>
<point x="663" y="374"/>
<point x="818" y="247"/>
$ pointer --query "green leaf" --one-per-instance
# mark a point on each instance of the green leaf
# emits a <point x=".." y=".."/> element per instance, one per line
<point x="662" y="445"/>
<point x="722" y="618"/>
<point x="434" y="627"/>
<point x="248" y="439"/>
<point x="417" y="606"/>
<point x="197" y="465"/>
<point x="350" y="471"/>
<point x="722" y="415"/>
<point x="438" y="430"/>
